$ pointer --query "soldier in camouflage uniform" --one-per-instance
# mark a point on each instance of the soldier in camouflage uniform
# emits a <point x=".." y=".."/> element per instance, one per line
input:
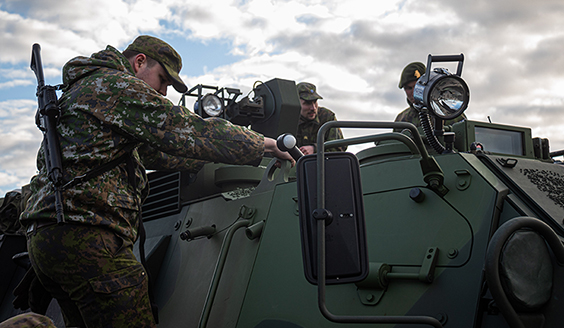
<point x="409" y="76"/>
<point x="312" y="117"/>
<point x="113" y="104"/>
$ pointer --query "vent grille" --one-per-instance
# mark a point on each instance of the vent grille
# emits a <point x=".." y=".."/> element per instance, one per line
<point x="164" y="195"/>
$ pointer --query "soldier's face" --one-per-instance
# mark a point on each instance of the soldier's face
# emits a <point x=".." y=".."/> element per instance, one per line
<point x="309" y="109"/>
<point x="155" y="76"/>
<point x="408" y="88"/>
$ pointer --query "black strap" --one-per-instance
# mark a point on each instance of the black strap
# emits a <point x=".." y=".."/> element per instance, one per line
<point x="142" y="237"/>
<point x="102" y="168"/>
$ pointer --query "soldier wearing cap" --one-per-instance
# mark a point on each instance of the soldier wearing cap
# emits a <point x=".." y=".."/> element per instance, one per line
<point x="409" y="76"/>
<point x="115" y="118"/>
<point x="312" y="117"/>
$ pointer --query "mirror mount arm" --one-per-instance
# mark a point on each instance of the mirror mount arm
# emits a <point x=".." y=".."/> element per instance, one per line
<point x="432" y="173"/>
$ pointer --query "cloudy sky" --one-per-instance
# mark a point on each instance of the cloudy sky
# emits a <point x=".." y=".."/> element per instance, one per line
<point x="352" y="50"/>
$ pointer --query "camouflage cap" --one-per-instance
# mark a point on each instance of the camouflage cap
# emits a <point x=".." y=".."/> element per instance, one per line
<point x="164" y="54"/>
<point x="306" y="91"/>
<point x="411" y="72"/>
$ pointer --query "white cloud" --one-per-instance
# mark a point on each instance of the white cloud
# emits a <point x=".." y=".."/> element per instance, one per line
<point x="20" y="141"/>
<point x="15" y="83"/>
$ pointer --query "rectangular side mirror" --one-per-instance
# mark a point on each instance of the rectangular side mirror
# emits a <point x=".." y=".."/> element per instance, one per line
<point x="345" y="236"/>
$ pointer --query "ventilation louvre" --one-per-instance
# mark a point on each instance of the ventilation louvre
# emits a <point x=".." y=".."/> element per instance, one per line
<point x="164" y="195"/>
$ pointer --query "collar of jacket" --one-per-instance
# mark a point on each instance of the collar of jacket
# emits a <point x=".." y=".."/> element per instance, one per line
<point x="79" y="67"/>
<point x="315" y="120"/>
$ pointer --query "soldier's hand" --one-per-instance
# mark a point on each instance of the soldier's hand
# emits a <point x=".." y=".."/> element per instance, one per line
<point x="307" y="150"/>
<point x="270" y="147"/>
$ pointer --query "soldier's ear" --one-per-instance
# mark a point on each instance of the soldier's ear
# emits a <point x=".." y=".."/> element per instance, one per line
<point x="138" y="61"/>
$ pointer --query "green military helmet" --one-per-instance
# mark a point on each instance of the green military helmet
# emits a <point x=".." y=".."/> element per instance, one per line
<point x="306" y="91"/>
<point x="411" y="72"/>
<point x="164" y="54"/>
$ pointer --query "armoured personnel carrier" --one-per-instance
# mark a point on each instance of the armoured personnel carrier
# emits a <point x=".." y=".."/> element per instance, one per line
<point x="441" y="226"/>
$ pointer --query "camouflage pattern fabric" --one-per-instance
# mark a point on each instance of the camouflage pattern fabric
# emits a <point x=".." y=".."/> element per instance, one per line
<point x="12" y="205"/>
<point x="105" y="108"/>
<point x="28" y="320"/>
<point x="307" y="130"/>
<point x="9" y="214"/>
<point x="307" y="91"/>
<point x="93" y="274"/>
<point x="411" y="115"/>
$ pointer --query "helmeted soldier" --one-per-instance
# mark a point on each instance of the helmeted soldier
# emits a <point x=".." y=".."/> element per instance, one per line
<point x="409" y="76"/>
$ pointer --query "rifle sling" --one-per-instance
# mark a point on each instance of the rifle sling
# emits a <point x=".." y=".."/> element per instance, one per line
<point x="101" y="169"/>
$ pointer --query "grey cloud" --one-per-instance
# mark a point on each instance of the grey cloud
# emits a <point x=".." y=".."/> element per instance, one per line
<point x="194" y="14"/>
<point x="505" y="14"/>
<point x="256" y="22"/>
<point x="545" y="58"/>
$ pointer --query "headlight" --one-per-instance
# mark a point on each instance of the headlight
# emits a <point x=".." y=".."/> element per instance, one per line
<point x="212" y="105"/>
<point x="444" y="94"/>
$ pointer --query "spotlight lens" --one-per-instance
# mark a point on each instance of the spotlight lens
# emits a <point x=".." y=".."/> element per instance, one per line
<point x="449" y="97"/>
<point x="212" y="105"/>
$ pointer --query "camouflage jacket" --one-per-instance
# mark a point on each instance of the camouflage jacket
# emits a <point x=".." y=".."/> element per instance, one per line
<point x="106" y="110"/>
<point x="411" y="115"/>
<point x="307" y="129"/>
<point x="11" y="206"/>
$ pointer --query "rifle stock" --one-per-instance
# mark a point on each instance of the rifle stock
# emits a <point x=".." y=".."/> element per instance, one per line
<point x="48" y="112"/>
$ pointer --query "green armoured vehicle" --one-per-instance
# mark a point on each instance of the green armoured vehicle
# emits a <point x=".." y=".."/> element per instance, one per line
<point x="460" y="227"/>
